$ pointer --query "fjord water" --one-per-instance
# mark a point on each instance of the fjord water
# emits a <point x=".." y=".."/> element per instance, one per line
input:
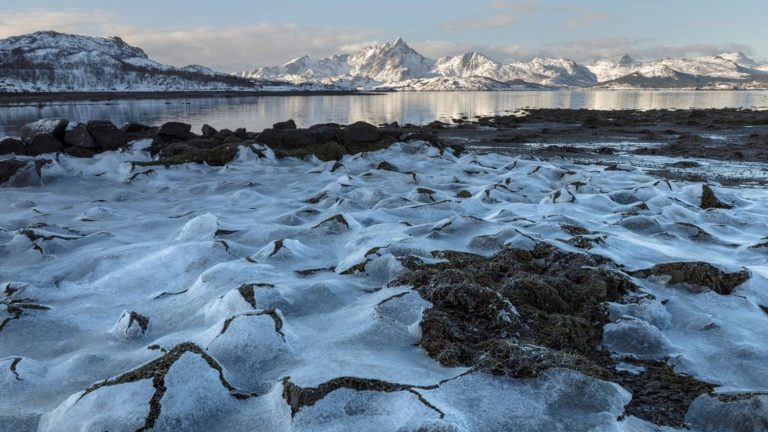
<point x="257" y="113"/>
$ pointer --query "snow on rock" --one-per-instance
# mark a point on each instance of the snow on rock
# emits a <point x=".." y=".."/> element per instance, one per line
<point x="266" y="284"/>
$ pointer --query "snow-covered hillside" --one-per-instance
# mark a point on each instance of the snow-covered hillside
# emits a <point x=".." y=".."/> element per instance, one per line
<point x="398" y="66"/>
<point x="56" y="62"/>
<point x="696" y="71"/>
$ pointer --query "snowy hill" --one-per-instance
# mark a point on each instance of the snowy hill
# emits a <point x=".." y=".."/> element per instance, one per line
<point x="398" y="66"/>
<point x="55" y="62"/>
<point x="728" y="68"/>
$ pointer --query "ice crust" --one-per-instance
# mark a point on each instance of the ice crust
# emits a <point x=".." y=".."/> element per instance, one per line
<point x="279" y="269"/>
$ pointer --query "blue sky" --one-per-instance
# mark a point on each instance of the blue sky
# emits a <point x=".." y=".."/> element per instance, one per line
<point x="240" y="34"/>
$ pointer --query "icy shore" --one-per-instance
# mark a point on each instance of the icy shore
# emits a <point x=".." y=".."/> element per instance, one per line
<point x="257" y="295"/>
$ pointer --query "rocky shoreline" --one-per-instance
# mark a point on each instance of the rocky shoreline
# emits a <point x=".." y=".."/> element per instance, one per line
<point x="42" y="97"/>
<point x="564" y="301"/>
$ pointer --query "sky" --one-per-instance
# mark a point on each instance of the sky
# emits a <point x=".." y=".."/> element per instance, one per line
<point x="234" y="35"/>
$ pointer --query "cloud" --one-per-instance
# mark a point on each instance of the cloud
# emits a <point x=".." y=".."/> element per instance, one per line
<point x="587" y="19"/>
<point x="238" y="48"/>
<point x="227" y="49"/>
<point x="16" y="22"/>
<point x="498" y="21"/>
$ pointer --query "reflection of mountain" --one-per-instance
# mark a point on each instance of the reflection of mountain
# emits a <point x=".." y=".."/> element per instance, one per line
<point x="404" y="107"/>
<point x="398" y="66"/>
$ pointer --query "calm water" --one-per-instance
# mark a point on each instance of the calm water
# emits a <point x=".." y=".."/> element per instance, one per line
<point x="257" y="113"/>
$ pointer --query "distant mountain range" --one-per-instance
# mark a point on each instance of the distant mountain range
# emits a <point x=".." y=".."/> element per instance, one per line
<point x="398" y="66"/>
<point x="55" y="62"/>
<point x="49" y="61"/>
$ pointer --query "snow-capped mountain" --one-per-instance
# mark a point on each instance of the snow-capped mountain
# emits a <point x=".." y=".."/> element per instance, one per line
<point x="734" y="68"/>
<point x="612" y="68"/>
<point x="397" y="65"/>
<point x="49" y="61"/>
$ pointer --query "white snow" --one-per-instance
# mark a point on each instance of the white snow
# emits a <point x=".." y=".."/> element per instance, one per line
<point x="179" y="246"/>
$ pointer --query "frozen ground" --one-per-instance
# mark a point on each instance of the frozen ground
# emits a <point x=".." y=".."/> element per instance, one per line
<point x="251" y="281"/>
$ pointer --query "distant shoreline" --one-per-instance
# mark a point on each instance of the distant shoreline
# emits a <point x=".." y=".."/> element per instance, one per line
<point x="22" y="98"/>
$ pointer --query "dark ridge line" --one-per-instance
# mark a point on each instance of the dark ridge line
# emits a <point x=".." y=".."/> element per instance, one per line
<point x="157" y="370"/>
<point x="15" y="363"/>
<point x="270" y="312"/>
<point x="299" y="397"/>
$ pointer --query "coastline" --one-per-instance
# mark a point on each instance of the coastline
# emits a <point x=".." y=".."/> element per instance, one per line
<point x="22" y="98"/>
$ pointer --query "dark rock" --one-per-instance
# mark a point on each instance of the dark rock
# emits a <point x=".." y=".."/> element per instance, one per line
<point x="436" y="125"/>
<point x="80" y="152"/>
<point x="80" y="137"/>
<point x="182" y="152"/>
<point x="133" y="127"/>
<point x="709" y="200"/>
<point x="106" y="135"/>
<point x="11" y="146"/>
<point x="431" y="138"/>
<point x="464" y="194"/>
<point x="697" y="276"/>
<point x="241" y="133"/>
<point x="8" y="168"/>
<point x="43" y="143"/>
<point x="363" y="132"/>
<point x="175" y="130"/>
<point x="684" y="164"/>
<point x="325" y="152"/>
<point x="232" y="139"/>
<point x="286" y="125"/>
<point x="209" y="131"/>
<point x="55" y="127"/>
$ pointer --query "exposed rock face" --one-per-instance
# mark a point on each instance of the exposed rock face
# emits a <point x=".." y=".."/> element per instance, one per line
<point x="43" y="143"/>
<point x="543" y="297"/>
<point x="106" y="135"/>
<point x="8" y="169"/>
<point x="522" y="312"/>
<point x="697" y="276"/>
<point x="286" y="125"/>
<point x="709" y="200"/>
<point x="175" y="130"/>
<point x="80" y="137"/>
<point x="208" y="131"/>
<point x="11" y="146"/>
<point x="363" y="132"/>
<point x="133" y="127"/>
<point x="55" y="127"/>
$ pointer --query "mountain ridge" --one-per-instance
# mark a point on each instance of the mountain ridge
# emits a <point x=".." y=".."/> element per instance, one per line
<point x="49" y="61"/>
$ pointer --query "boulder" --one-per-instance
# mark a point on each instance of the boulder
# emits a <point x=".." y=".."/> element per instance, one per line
<point x="209" y="131"/>
<point x="80" y="152"/>
<point x="286" y="125"/>
<point x="289" y="139"/>
<point x="55" y="127"/>
<point x="80" y="137"/>
<point x="43" y="143"/>
<point x="325" y="152"/>
<point x="133" y="127"/>
<point x="11" y="146"/>
<point x="241" y="133"/>
<point x="709" y="200"/>
<point x="363" y="132"/>
<point x="8" y="169"/>
<point x="106" y="135"/>
<point x="175" y="130"/>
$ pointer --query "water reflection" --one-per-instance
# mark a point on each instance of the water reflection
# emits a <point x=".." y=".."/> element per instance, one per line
<point x="256" y="113"/>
